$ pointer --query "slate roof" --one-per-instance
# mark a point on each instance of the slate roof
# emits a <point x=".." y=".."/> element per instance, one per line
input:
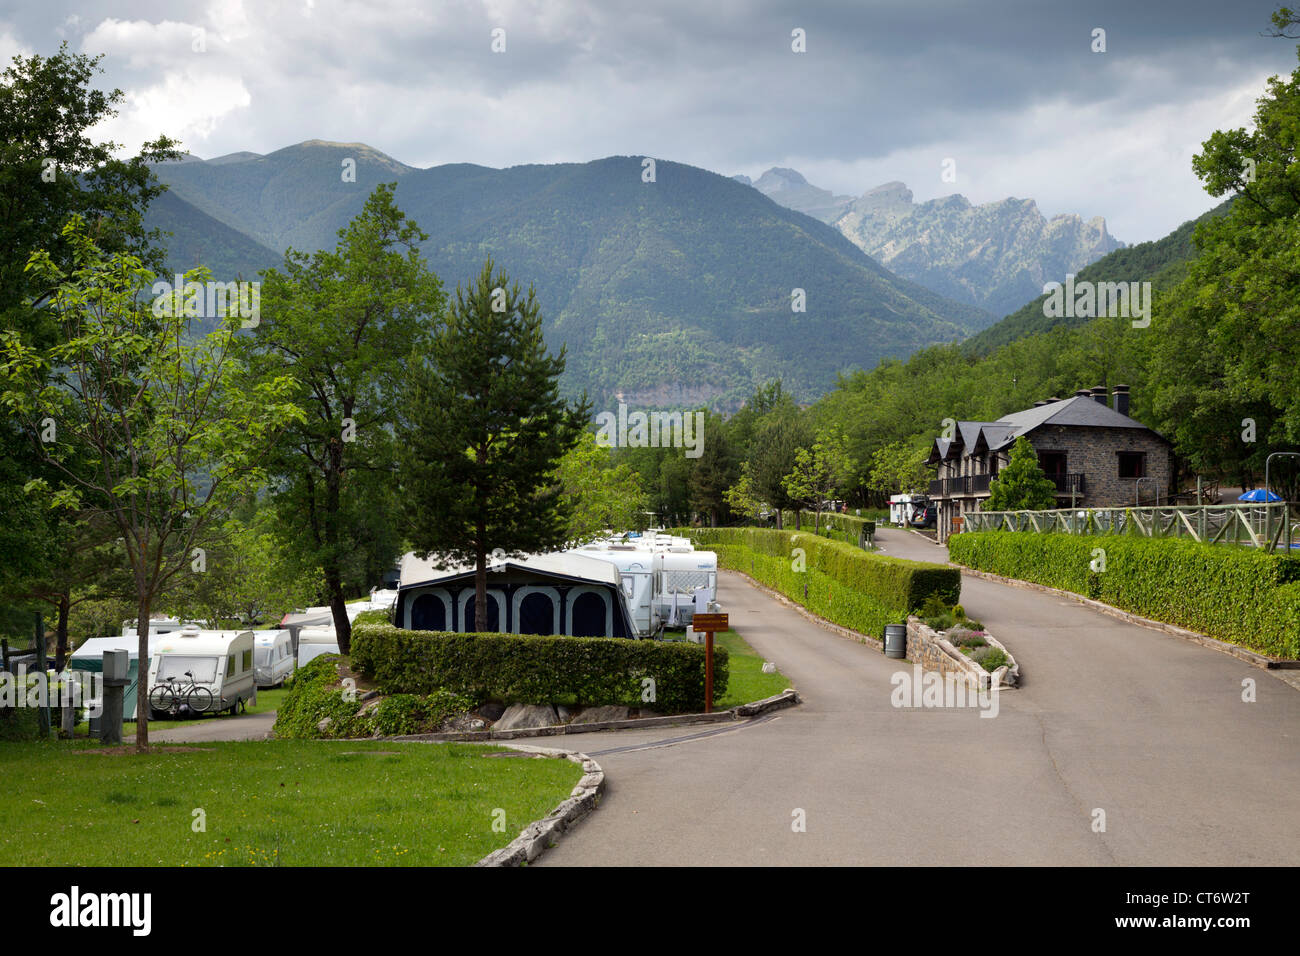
<point x="1077" y="412"/>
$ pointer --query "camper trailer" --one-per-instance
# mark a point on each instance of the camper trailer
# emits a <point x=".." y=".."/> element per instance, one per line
<point x="315" y="641"/>
<point x="686" y="578"/>
<point x="221" y="661"/>
<point x="636" y="571"/>
<point x="272" y="657"/>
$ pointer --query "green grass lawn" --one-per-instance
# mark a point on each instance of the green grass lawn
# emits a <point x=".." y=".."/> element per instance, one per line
<point x="747" y="682"/>
<point x="267" y="803"/>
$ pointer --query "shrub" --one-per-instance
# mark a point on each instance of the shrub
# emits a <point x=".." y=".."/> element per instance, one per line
<point x="990" y="658"/>
<point x="377" y="616"/>
<point x="537" y="670"/>
<point x="844" y="584"/>
<point x="960" y="637"/>
<point x="19" y="723"/>
<point x="400" y="714"/>
<point x="1239" y="595"/>
<point x="313" y="697"/>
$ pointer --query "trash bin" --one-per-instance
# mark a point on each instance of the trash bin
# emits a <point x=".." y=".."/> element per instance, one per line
<point x="896" y="641"/>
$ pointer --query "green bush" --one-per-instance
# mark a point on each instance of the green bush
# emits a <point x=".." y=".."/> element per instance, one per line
<point x="1239" y="595"/>
<point x="530" y="669"/>
<point x="989" y="658"/>
<point x="373" y="617"/>
<point x="857" y="589"/>
<point x="400" y="714"/>
<point x="317" y="694"/>
<point x="19" y="723"/>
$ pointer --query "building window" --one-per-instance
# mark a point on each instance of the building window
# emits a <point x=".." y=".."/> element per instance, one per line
<point x="247" y="662"/>
<point x="1052" y="462"/>
<point x="1132" y="464"/>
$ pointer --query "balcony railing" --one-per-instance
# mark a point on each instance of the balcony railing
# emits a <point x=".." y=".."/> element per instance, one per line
<point x="961" y="485"/>
<point x="1068" y="484"/>
<point x="979" y="484"/>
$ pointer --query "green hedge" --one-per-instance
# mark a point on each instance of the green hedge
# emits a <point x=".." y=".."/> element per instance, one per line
<point x="842" y="583"/>
<point x="510" y="668"/>
<point x="1240" y="595"/>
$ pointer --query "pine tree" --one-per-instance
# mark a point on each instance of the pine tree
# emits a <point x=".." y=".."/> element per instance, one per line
<point x="1022" y="485"/>
<point x="483" y="430"/>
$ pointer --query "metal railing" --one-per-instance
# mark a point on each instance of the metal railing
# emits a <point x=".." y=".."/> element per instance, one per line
<point x="1065" y="484"/>
<point x="1266" y="526"/>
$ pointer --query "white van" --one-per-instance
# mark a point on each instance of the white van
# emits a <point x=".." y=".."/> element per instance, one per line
<point x="272" y="657"/>
<point x="220" y="661"/>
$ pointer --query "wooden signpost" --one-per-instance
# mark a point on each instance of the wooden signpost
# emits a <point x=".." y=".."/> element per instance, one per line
<point x="708" y="623"/>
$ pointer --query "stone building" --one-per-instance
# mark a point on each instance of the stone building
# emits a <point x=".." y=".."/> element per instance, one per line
<point x="1096" y="455"/>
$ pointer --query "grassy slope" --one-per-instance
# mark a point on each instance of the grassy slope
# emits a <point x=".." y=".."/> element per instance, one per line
<point x="295" y="803"/>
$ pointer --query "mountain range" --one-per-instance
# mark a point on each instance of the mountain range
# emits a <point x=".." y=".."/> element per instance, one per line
<point x="995" y="256"/>
<point x="664" y="293"/>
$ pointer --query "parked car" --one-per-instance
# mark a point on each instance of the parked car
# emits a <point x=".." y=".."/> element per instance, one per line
<point x="925" y="517"/>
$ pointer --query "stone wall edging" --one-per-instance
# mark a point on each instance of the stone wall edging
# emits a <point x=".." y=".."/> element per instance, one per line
<point x="787" y="698"/>
<point x="535" y="838"/>
<point x="933" y="651"/>
<point x="1254" y="658"/>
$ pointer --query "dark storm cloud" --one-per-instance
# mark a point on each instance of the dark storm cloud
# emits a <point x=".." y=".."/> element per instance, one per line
<point x="1011" y="90"/>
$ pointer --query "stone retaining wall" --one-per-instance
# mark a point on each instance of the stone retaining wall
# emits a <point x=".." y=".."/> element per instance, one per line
<point x="934" y="652"/>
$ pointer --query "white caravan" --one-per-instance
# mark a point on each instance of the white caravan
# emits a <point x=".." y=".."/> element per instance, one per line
<point x="663" y="577"/>
<point x="686" y="579"/>
<point x="315" y="641"/>
<point x="636" y="571"/>
<point x="221" y="661"/>
<point x="272" y="657"/>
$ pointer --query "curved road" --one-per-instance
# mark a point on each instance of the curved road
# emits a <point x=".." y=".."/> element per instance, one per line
<point x="1112" y="717"/>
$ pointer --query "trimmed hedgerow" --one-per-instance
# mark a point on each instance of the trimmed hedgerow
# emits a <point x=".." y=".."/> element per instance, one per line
<point x="1239" y="595"/>
<point x="377" y="616"/>
<point x="530" y="669"/>
<point x="840" y="582"/>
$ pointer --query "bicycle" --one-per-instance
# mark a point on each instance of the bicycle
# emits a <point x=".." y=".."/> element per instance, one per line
<point x="172" y="694"/>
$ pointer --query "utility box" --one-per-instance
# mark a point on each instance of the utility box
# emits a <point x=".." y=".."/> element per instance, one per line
<point x="116" y="665"/>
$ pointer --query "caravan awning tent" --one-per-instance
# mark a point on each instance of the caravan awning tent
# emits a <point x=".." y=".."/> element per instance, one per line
<point x="90" y="657"/>
<point x="556" y="593"/>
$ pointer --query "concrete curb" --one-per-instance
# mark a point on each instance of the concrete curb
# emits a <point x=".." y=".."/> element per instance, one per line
<point x="787" y="698"/>
<point x="842" y="631"/>
<point x="1253" y="658"/>
<point x="535" y="838"/>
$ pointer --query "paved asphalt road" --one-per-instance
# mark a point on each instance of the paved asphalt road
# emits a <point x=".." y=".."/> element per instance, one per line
<point x="242" y="727"/>
<point x="1114" y="717"/>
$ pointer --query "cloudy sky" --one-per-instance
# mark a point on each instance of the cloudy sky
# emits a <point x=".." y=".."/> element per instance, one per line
<point x="885" y="90"/>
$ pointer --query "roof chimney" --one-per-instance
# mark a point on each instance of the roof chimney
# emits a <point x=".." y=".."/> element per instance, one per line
<point x="1040" y="404"/>
<point x="1099" y="394"/>
<point x="1121" y="398"/>
<point x="1082" y="393"/>
<point x="1053" y="399"/>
